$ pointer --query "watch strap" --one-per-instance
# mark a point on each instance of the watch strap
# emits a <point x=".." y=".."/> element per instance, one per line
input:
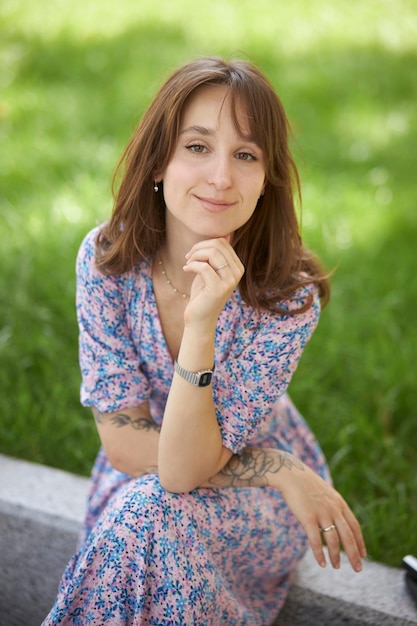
<point x="198" y="379"/>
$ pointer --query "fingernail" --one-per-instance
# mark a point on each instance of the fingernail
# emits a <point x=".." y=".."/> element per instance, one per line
<point x="323" y="564"/>
<point x="358" y="567"/>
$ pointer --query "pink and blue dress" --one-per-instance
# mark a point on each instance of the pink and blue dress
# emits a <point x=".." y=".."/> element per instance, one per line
<point x="211" y="557"/>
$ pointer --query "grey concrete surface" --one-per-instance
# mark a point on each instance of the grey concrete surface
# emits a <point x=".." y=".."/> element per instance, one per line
<point x="378" y="596"/>
<point x="40" y="514"/>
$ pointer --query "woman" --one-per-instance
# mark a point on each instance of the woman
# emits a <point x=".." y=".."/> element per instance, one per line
<point x="194" y="303"/>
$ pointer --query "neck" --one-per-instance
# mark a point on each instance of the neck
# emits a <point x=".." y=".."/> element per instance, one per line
<point x="172" y="253"/>
<point x="170" y="267"/>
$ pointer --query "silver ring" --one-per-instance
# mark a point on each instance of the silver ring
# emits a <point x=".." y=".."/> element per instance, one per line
<point x="216" y="269"/>
<point x="328" y="528"/>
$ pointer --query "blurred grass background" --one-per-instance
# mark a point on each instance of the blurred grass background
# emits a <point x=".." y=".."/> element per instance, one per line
<point x="75" y="77"/>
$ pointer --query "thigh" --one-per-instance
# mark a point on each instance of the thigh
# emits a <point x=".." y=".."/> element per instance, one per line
<point x="164" y="558"/>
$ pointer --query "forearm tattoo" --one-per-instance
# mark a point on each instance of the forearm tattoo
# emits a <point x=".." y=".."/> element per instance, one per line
<point x="121" y="419"/>
<point x="251" y="468"/>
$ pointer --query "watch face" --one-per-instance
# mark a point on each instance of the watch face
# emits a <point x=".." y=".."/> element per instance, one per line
<point x="205" y="379"/>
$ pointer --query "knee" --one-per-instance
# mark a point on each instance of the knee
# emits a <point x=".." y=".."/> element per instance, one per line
<point x="143" y="500"/>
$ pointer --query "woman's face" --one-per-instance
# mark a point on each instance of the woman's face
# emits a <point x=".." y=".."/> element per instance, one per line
<point x="215" y="176"/>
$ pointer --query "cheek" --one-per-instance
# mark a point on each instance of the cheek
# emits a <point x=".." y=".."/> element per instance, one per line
<point x="177" y="174"/>
<point x="170" y="180"/>
<point x="257" y="188"/>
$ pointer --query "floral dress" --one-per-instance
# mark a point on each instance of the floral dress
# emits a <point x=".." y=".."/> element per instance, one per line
<point x="214" y="556"/>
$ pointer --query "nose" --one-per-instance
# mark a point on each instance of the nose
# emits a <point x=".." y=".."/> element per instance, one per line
<point x="221" y="172"/>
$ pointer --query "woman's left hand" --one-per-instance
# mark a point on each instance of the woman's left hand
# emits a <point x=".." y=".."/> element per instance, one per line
<point x="218" y="271"/>
<point x="323" y="513"/>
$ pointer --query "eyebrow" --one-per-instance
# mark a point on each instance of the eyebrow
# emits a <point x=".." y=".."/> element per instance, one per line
<point x="200" y="130"/>
<point x="208" y="132"/>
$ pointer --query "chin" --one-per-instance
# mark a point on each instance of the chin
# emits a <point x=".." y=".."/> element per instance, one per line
<point x="221" y="232"/>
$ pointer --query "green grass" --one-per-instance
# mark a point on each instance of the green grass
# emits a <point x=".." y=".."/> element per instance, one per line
<point x="76" y="77"/>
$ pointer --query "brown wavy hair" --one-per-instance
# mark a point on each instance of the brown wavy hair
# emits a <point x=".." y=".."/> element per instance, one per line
<point x="269" y="244"/>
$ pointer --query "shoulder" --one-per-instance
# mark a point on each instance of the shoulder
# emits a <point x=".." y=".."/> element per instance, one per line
<point x="303" y="303"/>
<point x="87" y="249"/>
<point x="245" y="328"/>
<point x="294" y="318"/>
<point x="88" y="272"/>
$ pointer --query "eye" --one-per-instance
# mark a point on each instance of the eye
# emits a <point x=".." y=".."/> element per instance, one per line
<point x="246" y="156"/>
<point x="197" y="148"/>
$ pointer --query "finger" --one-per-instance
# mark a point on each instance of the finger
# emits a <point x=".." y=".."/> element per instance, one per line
<point x="209" y="248"/>
<point x="330" y="535"/>
<point x="221" y="267"/>
<point x="357" y="531"/>
<point x="219" y="283"/>
<point x="349" y="543"/>
<point x="219" y="261"/>
<point x="316" y="544"/>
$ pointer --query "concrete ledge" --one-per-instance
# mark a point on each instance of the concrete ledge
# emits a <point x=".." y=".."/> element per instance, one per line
<point x="377" y="596"/>
<point x="41" y="510"/>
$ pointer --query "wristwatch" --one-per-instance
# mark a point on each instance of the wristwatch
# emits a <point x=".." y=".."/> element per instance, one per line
<point x="198" y="379"/>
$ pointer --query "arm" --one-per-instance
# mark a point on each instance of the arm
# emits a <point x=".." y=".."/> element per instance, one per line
<point x="201" y="426"/>
<point x="130" y="439"/>
<point x="108" y="359"/>
<point x="313" y="501"/>
<point x="191" y="447"/>
<point x="112" y="377"/>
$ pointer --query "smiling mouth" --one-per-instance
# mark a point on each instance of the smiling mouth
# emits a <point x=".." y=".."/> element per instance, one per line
<point x="214" y="205"/>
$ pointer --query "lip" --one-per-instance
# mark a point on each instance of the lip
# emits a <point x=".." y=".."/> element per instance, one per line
<point x="214" y="205"/>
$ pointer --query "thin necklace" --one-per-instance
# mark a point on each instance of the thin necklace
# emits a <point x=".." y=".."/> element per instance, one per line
<point x="168" y="281"/>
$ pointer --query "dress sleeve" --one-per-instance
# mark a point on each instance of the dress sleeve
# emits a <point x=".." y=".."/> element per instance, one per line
<point x="111" y="376"/>
<point x="262" y="359"/>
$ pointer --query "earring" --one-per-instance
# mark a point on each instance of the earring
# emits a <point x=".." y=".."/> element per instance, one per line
<point x="155" y="187"/>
